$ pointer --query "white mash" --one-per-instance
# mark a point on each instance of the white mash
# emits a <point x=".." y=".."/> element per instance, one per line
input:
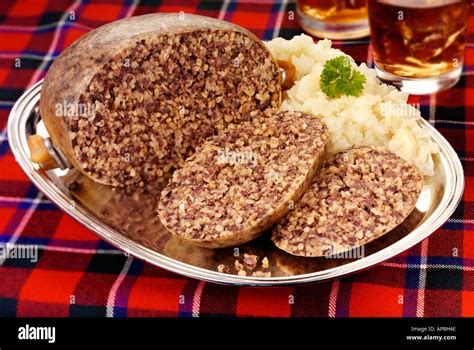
<point x="380" y="116"/>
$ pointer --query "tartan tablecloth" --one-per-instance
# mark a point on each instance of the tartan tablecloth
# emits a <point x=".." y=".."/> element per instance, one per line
<point x="77" y="274"/>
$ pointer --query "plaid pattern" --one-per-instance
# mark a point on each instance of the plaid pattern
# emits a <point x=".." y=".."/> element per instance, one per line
<point x="78" y="275"/>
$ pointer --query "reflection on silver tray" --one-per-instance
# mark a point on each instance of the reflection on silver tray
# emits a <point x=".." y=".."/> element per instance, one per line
<point x="127" y="219"/>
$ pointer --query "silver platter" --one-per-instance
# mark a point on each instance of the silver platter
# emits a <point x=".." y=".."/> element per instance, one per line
<point x="127" y="219"/>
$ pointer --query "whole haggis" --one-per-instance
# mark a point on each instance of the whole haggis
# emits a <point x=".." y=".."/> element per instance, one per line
<point x="130" y="101"/>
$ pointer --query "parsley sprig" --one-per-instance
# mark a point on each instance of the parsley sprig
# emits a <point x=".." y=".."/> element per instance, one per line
<point x="338" y="78"/>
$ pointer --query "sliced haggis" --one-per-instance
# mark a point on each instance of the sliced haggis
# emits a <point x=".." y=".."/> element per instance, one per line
<point x="244" y="180"/>
<point x="359" y="195"/>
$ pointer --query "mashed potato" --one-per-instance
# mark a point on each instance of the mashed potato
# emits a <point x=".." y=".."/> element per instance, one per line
<point x="379" y="116"/>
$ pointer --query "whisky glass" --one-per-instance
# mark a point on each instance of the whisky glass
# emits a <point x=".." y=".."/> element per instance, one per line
<point x="334" y="19"/>
<point x="418" y="45"/>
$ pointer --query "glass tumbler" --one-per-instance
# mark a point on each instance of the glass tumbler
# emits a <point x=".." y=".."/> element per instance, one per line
<point x="418" y="45"/>
<point x="334" y="19"/>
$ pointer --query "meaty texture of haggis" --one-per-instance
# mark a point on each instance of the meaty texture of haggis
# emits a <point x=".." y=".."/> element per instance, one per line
<point x="241" y="182"/>
<point x="359" y="195"/>
<point x="141" y="93"/>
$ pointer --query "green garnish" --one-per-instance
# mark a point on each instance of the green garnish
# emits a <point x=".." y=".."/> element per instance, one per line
<point x="338" y="78"/>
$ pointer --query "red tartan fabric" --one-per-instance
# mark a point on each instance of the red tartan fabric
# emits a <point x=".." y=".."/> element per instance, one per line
<point x="79" y="275"/>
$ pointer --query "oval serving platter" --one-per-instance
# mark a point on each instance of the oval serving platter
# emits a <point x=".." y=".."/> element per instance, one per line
<point x="126" y="218"/>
